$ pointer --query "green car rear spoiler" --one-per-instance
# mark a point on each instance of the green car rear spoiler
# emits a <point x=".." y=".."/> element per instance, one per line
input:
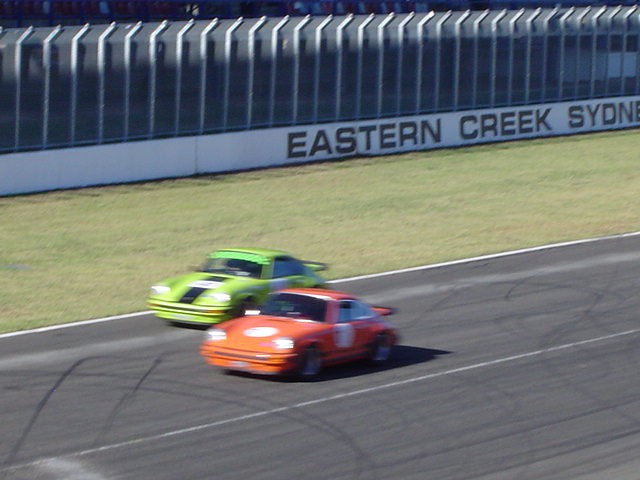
<point x="315" y="266"/>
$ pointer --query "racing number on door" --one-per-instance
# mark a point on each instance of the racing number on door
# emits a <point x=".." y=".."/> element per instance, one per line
<point x="343" y="335"/>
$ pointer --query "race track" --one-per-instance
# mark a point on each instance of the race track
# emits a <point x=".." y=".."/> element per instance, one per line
<point x="518" y="367"/>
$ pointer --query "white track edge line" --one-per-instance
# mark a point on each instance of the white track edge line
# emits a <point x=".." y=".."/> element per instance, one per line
<point x="74" y="324"/>
<point x="488" y="257"/>
<point x="352" y="279"/>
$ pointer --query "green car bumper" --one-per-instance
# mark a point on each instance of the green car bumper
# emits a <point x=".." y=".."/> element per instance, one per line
<point x="185" y="313"/>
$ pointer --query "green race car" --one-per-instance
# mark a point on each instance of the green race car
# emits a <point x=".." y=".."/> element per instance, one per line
<point x="230" y="282"/>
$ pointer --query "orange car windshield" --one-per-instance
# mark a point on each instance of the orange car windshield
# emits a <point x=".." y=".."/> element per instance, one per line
<point x="299" y="307"/>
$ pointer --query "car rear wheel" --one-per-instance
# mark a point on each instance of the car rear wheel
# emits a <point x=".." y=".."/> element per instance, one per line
<point x="381" y="349"/>
<point x="310" y="363"/>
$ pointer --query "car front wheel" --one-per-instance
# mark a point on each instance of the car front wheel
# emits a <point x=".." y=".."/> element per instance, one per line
<point x="310" y="363"/>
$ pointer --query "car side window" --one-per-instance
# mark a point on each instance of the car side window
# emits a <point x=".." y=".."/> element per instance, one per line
<point x="361" y="311"/>
<point x="352" y="310"/>
<point x="345" y="315"/>
<point x="286" y="267"/>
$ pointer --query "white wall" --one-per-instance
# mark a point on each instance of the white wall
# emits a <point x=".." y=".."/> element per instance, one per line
<point x="184" y="156"/>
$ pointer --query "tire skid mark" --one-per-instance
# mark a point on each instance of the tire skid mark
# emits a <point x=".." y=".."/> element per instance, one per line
<point x="126" y="399"/>
<point x="39" y="409"/>
<point x="365" y="465"/>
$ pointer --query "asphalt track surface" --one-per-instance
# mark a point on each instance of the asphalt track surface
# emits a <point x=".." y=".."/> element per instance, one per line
<point x="520" y="367"/>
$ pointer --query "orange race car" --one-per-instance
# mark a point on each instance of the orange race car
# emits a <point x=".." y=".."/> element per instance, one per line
<point x="299" y="331"/>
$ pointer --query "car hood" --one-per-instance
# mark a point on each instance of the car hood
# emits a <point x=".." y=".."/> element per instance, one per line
<point x="257" y="332"/>
<point x="193" y="287"/>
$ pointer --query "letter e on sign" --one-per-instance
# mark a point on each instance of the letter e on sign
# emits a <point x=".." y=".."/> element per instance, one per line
<point x="296" y="145"/>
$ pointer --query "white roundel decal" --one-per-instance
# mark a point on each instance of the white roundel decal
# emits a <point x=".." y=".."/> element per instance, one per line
<point x="259" y="332"/>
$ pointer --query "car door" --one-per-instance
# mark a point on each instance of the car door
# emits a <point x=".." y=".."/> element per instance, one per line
<point x="351" y="328"/>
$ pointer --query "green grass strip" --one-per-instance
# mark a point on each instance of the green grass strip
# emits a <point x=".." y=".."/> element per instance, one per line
<point x="82" y="254"/>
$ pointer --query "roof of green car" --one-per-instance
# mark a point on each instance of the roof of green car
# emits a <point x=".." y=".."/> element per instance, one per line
<point x="265" y="252"/>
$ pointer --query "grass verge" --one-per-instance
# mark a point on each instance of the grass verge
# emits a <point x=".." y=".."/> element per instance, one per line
<point x="93" y="252"/>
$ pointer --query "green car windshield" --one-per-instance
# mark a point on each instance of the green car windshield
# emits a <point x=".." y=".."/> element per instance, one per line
<point x="233" y="266"/>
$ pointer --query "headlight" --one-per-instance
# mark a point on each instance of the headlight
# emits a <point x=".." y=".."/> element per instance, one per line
<point x="159" y="290"/>
<point x="283" y="343"/>
<point x="215" y="335"/>
<point x="218" y="296"/>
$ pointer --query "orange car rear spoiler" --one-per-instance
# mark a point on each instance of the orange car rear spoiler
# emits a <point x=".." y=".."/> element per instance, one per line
<point x="385" y="310"/>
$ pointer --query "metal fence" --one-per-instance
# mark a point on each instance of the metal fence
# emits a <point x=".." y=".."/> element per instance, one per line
<point x="20" y="13"/>
<point x="67" y="86"/>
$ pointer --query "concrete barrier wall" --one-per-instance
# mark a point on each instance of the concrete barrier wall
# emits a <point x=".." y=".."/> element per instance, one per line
<point x="226" y="152"/>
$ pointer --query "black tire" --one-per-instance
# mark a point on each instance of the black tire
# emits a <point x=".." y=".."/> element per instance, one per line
<point x="310" y="363"/>
<point x="381" y="349"/>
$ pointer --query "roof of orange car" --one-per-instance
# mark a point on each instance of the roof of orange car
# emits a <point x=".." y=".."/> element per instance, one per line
<point x="320" y="292"/>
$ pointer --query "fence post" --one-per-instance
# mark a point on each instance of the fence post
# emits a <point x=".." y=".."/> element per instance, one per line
<point x="46" y="64"/>
<point x="400" y="53"/>
<point x="203" y="71"/>
<point x="74" y="81"/>
<point x="101" y="82"/>
<point x="576" y="82"/>
<point x="274" y="63"/>
<point x="527" y="74"/>
<point x="228" y="40"/>
<point x="153" y="53"/>
<point x="476" y="55"/>
<point x="338" y="76"/>
<point x="251" y="47"/>
<point x="127" y="76"/>
<point x="512" y="33"/>
<point x="316" y="76"/>
<point x="637" y="89"/>
<point x="179" y="55"/>
<point x="18" y="75"/>
<point x="296" y="66"/>
<point x="361" y="28"/>
<point x="624" y="47"/>
<point x="436" y="74"/>
<point x="545" y="55"/>
<point x="389" y="18"/>
<point x="456" y="68"/>
<point x="419" y="66"/>
<point x="594" y="49"/>
<point x="615" y="12"/>
<point x="494" y="56"/>
<point x="563" y="31"/>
